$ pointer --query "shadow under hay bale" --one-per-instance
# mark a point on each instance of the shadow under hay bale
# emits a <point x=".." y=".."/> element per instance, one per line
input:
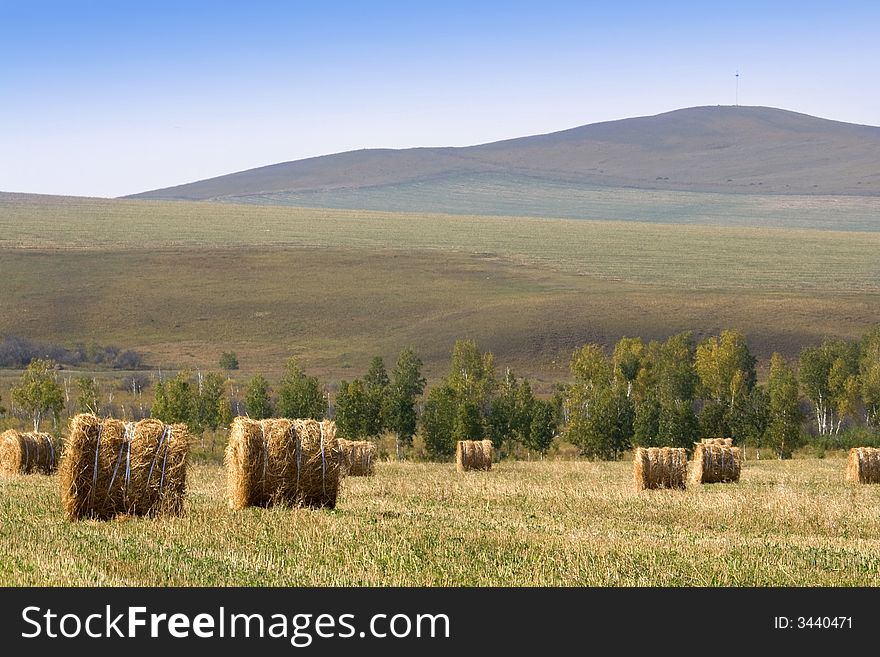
<point x="724" y="442"/>
<point x="863" y="465"/>
<point x="25" y="453"/>
<point x="110" y="467"/>
<point x="715" y="464"/>
<point x="357" y="457"/>
<point x="473" y="455"/>
<point x="660" y="467"/>
<point x="282" y="462"/>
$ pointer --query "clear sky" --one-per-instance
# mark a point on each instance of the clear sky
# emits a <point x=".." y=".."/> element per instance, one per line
<point x="102" y="98"/>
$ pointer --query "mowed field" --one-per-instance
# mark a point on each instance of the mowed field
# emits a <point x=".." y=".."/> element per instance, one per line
<point x="184" y="281"/>
<point x="551" y="523"/>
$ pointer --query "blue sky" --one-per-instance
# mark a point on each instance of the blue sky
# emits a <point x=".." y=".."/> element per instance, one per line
<point x="111" y="98"/>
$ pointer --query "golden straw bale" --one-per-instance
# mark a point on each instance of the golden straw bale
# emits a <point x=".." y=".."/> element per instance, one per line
<point x="715" y="463"/>
<point x="24" y="453"/>
<point x="281" y="461"/>
<point x="863" y="465"/>
<point x="110" y="467"/>
<point x="357" y="457"/>
<point x="724" y="442"/>
<point x="660" y="467"/>
<point x="473" y="455"/>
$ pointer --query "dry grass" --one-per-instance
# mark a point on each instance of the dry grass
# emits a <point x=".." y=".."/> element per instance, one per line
<point x="565" y="523"/>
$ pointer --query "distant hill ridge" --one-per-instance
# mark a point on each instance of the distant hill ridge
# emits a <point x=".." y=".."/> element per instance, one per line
<point x="730" y="149"/>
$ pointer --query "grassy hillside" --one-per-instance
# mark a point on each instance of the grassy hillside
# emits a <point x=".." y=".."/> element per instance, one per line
<point x="504" y="194"/>
<point x="183" y="282"/>
<point x="562" y="523"/>
<point x="742" y="150"/>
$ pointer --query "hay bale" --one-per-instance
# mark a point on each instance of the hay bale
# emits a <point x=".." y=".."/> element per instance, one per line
<point x="473" y="455"/>
<point x="283" y="462"/>
<point x="863" y="465"/>
<point x="715" y="463"/>
<point x="724" y="442"/>
<point x="660" y="467"/>
<point x="24" y="453"/>
<point x="356" y="457"/>
<point x="110" y="467"/>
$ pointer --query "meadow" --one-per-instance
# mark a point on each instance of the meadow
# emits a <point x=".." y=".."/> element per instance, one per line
<point x="184" y="281"/>
<point x="537" y="523"/>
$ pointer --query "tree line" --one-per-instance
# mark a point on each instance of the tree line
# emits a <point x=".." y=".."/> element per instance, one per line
<point x="667" y="393"/>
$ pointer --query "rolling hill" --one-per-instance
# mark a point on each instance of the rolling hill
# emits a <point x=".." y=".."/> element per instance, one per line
<point x="720" y="152"/>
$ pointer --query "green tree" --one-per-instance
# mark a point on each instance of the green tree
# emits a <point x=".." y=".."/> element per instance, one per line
<point x="523" y="412"/>
<point x="88" y="397"/>
<point x="629" y="354"/>
<point x="502" y="413"/>
<point x="407" y="384"/>
<point x="714" y="419"/>
<point x="438" y="420"/>
<point x="228" y="361"/>
<point x="472" y="374"/>
<point x="646" y="422"/>
<point x="543" y="426"/>
<point x="678" y="426"/>
<point x="208" y="402"/>
<point x="674" y="373"/>
<point x="257" y="400"/>
<point x="175" y="400"/>
<point x="468" y="424"/>
<point x="224" y="412"/>
<point x="829" y="377"/>
<point x="604" y="430"/>
<point x="783" y="431"/>
<point x="726" y="367"/>
<point x="869" y="374"/>
<point x="751" y="417"/>
<point x="376" y="384"/>
<point x="37" y="392"/>
<point x="352" y="410"/>
<point x="600" y="411"/>
<point x="300" y="395"/>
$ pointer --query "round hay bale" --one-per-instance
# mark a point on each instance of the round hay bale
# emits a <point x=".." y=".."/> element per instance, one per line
<point x="473" y="455"/>
<point x="357" y="457"/>
<point x="715" y="463"/>
<point x="863" y="465"/>
<point x="282" y="462"/>
<point x="25" y="453"/>
<point x="660" y="467"/>
<point x="110" y="467"/>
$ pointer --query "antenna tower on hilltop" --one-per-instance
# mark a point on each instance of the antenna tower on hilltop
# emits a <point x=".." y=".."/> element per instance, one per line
<point x="737" y="89"/>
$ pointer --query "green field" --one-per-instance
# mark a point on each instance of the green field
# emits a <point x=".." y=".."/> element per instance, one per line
<point x="550" y="523"/>
<point x="502" y="194"/>
<point x="184" y="281"/>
